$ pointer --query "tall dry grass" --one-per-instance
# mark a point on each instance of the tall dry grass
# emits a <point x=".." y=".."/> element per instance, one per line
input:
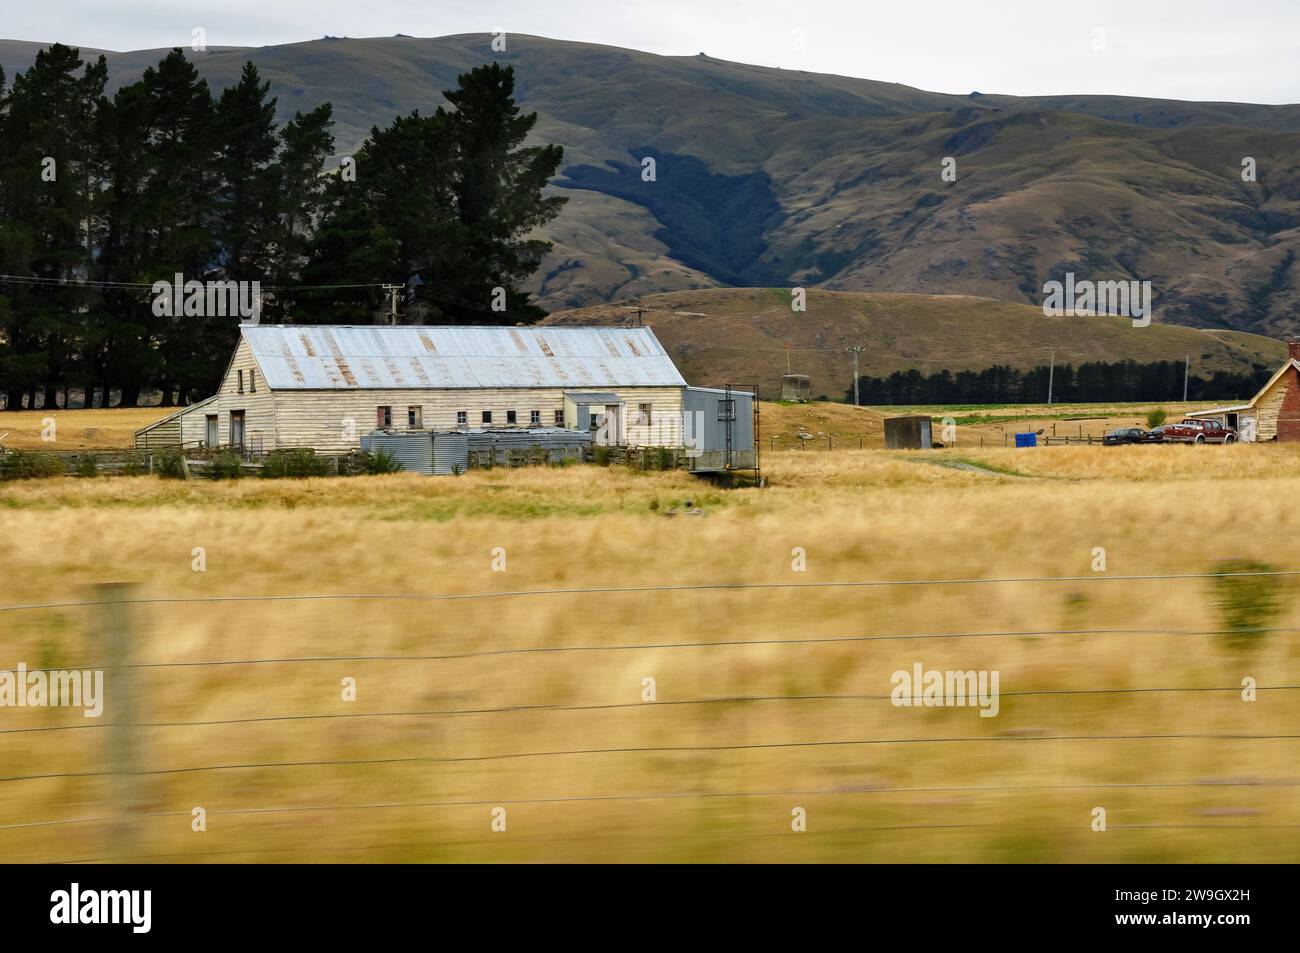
<point x="77" y="428"/>
<point x="710" y="777"/>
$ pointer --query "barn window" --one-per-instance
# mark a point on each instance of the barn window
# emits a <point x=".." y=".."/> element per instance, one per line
<point x="559" y="418"/>
<point x="415" y="416"/>
<point x="512" y="417"/>
<point x="487" y="416"/>
<point x="241" y="381"/>
<point x="462" y="418"/>
<point x="383" y="417"/>
<point x="727" y="409"/>
<point x="644" y="413"/>
<point x="252" y="381"/>
<point x="534" y="418"/>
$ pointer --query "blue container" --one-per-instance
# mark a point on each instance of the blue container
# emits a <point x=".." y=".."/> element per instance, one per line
<point x="1026" y="440"/>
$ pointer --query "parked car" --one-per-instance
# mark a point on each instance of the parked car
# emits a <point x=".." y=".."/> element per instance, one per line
<point x="1191" y="430"/>
<point x="1124" y="435"/>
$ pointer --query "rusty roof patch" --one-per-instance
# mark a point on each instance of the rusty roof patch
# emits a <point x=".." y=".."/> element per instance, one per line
<point x="546" y="348"/>
<point x="287" y="354"/>
<point x="339" y="359"/>
<point x="418" y="370"/>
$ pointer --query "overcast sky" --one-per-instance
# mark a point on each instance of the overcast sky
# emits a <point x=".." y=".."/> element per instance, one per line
<point x="1239" y="50"/>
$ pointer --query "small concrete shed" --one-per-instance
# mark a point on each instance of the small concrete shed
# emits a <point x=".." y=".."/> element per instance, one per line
<point x="911" y="432"/>
<point x="797" y="387"/>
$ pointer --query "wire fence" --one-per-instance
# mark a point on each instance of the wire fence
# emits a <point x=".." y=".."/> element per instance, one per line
<point x="724" y="700"/>
<point x="110" y="605"/>
<point x="689" y="587"/>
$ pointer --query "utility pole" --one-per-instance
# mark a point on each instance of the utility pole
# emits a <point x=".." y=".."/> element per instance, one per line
<point x="855" y="350"/>
<point x="787" y="357"/>
<point x="639" y="312"/>
<point x="1051" y="373"/>
<point x="392" y="302"/>
<point x="1187" y="369"/>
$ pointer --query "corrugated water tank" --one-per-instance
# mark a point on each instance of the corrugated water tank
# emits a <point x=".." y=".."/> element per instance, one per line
<point x="414" y="450"/>
<point x="450" y="453"/>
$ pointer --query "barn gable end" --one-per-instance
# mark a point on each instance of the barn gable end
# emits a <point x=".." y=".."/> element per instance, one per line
<point x="1274" y="412"/>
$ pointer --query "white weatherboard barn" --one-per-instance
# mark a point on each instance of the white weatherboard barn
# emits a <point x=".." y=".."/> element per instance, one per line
<point x="324" y="386"/>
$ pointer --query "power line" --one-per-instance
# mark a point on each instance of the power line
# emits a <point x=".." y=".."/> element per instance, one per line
<point x="71" y="283"/>
<point x="686" y="587"/>
<point x="97" y="283"/>
<point x="652" y="749"/>
<point x="442" y="298"/>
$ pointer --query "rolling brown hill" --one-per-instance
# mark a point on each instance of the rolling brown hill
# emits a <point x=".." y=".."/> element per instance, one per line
<point x="769" y="177"/>
<point x="739" y="336"/>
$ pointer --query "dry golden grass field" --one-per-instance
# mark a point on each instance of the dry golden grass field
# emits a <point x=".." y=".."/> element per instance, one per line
<point x="76" y="429"/>
<point x="493" y="689"/>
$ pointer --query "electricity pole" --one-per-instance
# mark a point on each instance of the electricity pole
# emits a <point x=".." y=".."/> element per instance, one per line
<point x="1051" y="373"/>
<point x="855" y="351"/>
<point x="392" y="302"/>
<point x="1187" y="368"/>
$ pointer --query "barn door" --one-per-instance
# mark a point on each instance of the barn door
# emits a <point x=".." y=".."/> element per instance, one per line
<point x="614" y="424"/>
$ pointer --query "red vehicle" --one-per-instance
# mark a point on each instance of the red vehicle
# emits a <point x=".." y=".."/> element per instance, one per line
<point x="1191" y="430"/>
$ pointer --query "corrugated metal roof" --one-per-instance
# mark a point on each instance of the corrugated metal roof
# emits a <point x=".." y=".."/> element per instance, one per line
<point x="172" y="416"/>
<point x="346" y="357"/>
<point x="589" y="397"/>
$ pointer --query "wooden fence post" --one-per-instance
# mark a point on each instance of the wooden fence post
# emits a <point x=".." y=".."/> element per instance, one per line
<point x="117" y="635"/>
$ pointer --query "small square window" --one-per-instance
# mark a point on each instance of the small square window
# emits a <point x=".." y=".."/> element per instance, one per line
<point x="512" y="417"/>
<point x="727" y="409"/>
<point x="534" y="418"/>
<point x="383" y="417"/>
<point x="487" y="416"/>
<point x="643" y="414"/>
<point x="559" y="418"/>
<point x="414" y="416"/>
<point x="462" y="418"/>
